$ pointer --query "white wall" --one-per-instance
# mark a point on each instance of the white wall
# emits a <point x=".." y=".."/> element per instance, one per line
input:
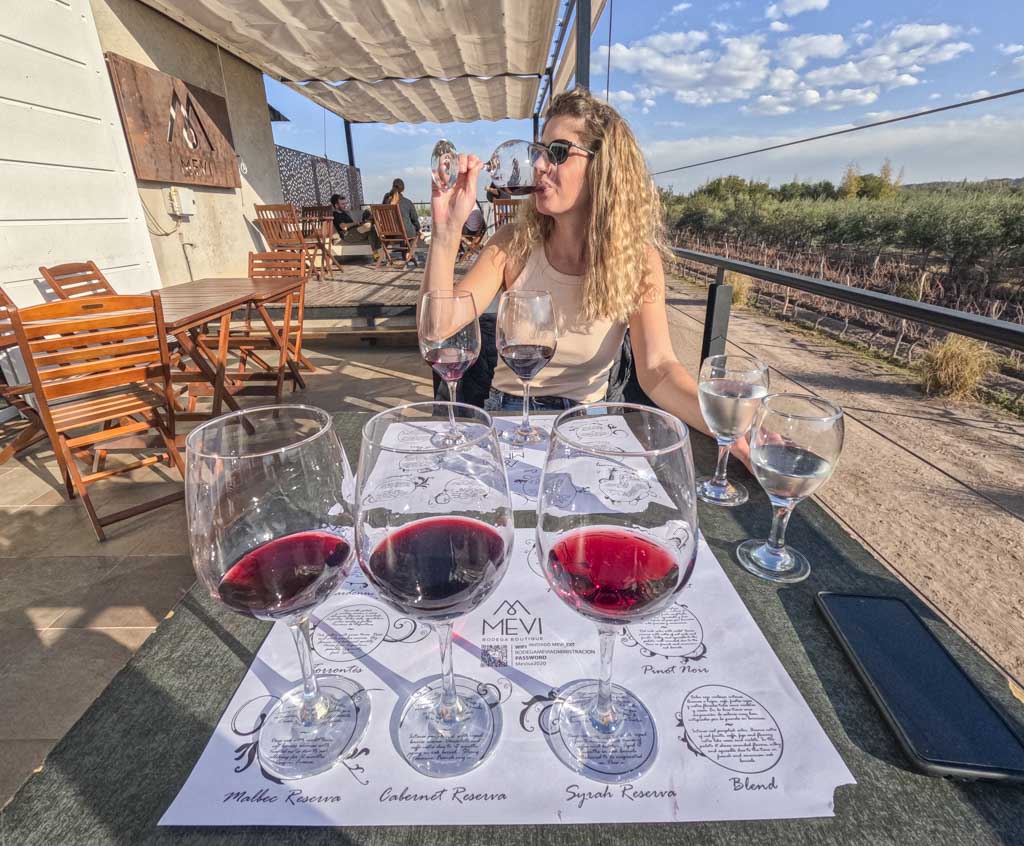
<point x="67" y="190"/>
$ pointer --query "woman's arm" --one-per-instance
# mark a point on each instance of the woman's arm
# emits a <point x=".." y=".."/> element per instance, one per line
<point x="661" y="375"/>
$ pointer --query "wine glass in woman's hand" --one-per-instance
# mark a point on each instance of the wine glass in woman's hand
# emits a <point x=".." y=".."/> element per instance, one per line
<point x="267" y="494"/>
<point x="450" y="208"/>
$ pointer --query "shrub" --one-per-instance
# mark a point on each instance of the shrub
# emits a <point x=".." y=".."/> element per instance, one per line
<point x="955" y="366"/>
<point x="742" y="287"/>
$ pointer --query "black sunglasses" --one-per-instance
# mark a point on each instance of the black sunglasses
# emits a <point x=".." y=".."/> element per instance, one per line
<point x="556" y="152"/>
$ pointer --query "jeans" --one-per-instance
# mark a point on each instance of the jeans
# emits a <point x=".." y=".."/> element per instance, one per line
<point x="500" y="401"/>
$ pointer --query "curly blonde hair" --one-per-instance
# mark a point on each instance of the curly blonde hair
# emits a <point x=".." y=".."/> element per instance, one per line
<point x="625" y="212"/>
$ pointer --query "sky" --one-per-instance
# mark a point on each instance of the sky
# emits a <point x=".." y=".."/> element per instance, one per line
<point x="701" y="80"/>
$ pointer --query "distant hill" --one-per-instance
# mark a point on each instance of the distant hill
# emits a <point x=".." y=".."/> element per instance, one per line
<point x="1007" y="184"/>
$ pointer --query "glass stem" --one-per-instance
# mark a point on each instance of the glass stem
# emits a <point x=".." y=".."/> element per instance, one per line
<point x="780" y="519"/>
<point x="602" y="713"/>
<point x="720" y="480"/>
<point x="310" y="691"/>
<point x="453" y="391"/>
<point x="525" y="425"/>
<point x="449" y="706"/>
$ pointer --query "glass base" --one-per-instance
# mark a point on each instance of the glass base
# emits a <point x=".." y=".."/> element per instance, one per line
<point x="441" y="748"/>
<point x="729" y="494"/>
<point x="774" y="565"/>
<point x="612" y="754"/>
<point x="520" y="436"/>
<point x="289" y="749"/>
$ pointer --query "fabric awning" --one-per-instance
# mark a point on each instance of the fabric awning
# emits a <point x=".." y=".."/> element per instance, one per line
<point x="336" y="41"/>
<point x="427" y="100"/>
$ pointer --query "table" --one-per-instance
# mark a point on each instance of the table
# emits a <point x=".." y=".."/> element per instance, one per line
<point x="111" y="778"/>
<point x="191" y="305"/>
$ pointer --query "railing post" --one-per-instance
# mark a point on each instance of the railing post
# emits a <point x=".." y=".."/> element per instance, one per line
<point x="716" y="317"/>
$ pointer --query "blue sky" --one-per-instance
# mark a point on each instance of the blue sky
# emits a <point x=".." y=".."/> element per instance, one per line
<point x="704" y="79"/>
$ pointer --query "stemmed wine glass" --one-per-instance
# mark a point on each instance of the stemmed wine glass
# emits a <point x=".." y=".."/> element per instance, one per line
<point x="730" y="389"/>
<point x="267" y="493"/>
<point x="511" y="165"/>
<point x="527" y="339"/>
<point x="437" y="567"/>
<point x="615" y="567"/>
<point x="795" y="443"/>
<point x="449" y="335"/>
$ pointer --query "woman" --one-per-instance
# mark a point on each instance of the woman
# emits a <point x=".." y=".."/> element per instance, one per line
<point x="410" y="219"/>
<point x="592" y="238"/>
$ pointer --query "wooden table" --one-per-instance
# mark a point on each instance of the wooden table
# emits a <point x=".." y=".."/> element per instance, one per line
<point x="191" y="305"/>
<point x="114" y="774"/>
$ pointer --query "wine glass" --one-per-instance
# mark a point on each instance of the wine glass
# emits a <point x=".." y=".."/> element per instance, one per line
<point x="795" y="443"/>
<point x="730" y="389"/>
<point x="511" y="165"/>
<point x="266" y="494"/>
<point x="436" y="554"/>
<point x="449" y="335"/>
<point x="527" y="339"/>
<point x="615" y="566"/>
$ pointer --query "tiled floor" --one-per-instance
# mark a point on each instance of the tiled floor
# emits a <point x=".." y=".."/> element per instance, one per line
<point x="72" y="611"/>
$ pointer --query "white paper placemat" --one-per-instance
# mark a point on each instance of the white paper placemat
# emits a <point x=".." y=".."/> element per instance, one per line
<point x="736" y="739"/>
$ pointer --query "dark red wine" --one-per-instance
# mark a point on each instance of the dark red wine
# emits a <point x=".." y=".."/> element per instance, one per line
<point x="285" y="575"/>
<point x="520" y="190"/>
<point x="526" y="360"/>
<point x="438" y="568"/>
<point x="450" y="363"/>
<point x="612" y="574"/>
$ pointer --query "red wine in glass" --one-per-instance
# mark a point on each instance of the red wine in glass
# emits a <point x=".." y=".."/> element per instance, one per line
<point x="284" y="576"/>
<point x="527" y="360"/>
<point x="450" y="363"/>
<point x="438" y="568"/>
<point x="607" y="573"/>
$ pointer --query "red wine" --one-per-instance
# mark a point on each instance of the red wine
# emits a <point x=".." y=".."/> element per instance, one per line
<point x="286" y="575"/>
<point x="612" y="574"/>
<point x="438" y="568"/>
<point x="521" y="190"/>
<point x="526" y="360"/>
<point x="450" y="363"/>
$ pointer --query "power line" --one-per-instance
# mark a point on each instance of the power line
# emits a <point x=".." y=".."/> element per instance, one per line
<point x="846" y="131"/>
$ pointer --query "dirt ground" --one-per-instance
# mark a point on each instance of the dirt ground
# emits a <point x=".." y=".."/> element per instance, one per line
<point x="934" y="489"/>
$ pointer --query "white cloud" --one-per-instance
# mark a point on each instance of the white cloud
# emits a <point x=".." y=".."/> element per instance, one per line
<point x="935" y="96"/>
<point x="672" y="42"/>
<point x="622" y="98"/>
<point x="1010" y="49"/>
<point x="718" y="26"/>
<point x="796" y="52"/>
<point x="783" y="79"/>
<point x="680" y="7"/>
<point x="983" y="92"/>
<point x="835" y="100"/>
<point x="902" y="80"/>
<point x="674" y="124"/>
<point x="864" y="25"/>
<point x="861" y="38"/>
<point x="1019" y="64"/>
<point x="407" y="129"/>
<point x="927" y="149"/>
<point x="789" y="8"/>
<point x="778" y="26"/>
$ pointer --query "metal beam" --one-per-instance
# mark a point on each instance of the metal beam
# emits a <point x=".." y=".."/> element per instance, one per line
<point x="583" y="43"/>
<point x="348" y="144"/>
<point x="536" y="127"/>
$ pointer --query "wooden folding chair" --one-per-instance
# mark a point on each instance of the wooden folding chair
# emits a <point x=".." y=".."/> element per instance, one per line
<point x="77" y="279"/>
<point x="388" y="222"/>
<point x="284" y="339"/>
<point x="471" y="245"/>
<point x="13" y="391"/>
<point x="105" y="359"/>
<point x="505" y="211"/>
<point x="282" y="230"/>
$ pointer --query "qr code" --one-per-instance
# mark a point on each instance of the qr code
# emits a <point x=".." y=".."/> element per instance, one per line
<point x="494" y="656"/>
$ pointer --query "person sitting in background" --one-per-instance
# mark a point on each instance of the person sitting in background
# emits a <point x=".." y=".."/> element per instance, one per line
<point x="348" y="230"/>
<point x="473" y="232"/>
<point x="493" y="193"/>
<point x="410" y="219"/>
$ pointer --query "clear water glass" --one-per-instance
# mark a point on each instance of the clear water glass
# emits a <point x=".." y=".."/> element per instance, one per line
<point x="795" y="443"/>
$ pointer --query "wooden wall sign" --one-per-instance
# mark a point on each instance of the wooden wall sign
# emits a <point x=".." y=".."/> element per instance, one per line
<point x="177" y="132"/>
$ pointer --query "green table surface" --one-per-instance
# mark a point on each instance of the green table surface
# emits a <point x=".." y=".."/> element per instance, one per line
<point x="114" y="774"/>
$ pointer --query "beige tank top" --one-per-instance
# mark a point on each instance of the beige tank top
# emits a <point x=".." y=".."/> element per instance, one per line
<point x="585" y="351"/>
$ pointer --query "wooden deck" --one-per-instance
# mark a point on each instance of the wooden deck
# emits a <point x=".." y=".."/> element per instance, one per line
<point x="365" y="291"/>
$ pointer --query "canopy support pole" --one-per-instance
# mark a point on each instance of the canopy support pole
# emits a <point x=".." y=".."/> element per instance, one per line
<point x="536" y="127"/>
<point x="348" y="144"/>
<point x="583" y="43"/>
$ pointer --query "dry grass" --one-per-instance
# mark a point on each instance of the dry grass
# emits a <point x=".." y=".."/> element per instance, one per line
<point x="955" y="366"/>
<point x="742" y="287"/>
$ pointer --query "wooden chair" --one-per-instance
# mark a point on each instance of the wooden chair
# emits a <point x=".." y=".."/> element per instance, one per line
<point x="282" y="230"/>
<point x="505" y="211"/>
<point x="471" y="245"/>
<point x="388" y="222"/>
<point x="285" y="338"/>
<point x="13" y="391"/>
<point x="77" y="279"/>
<point x="105" y="359"/>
